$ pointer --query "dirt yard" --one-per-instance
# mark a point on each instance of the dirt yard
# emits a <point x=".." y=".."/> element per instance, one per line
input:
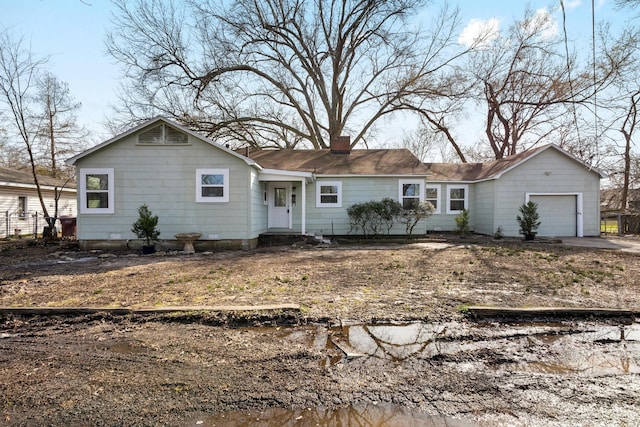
<point x="182" y="369"/>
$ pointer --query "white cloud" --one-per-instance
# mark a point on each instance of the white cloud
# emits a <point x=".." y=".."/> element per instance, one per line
<point x="480" y="33"/>
<point x="572" y="4"/>
<point x="543" y="23"/>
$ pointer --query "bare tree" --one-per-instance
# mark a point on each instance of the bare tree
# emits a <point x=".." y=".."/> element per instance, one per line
<point x="530" y="82"/>
<point x="11" y="155"/>
<point x="426" y="143"/>
<point x="60" y="133"/>
<point x="620" y="104"/>
<point x="18" y="74"/>
<point x="282" y="72"/>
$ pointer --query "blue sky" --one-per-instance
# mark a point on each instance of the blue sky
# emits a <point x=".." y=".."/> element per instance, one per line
<point x="72" y="32"/>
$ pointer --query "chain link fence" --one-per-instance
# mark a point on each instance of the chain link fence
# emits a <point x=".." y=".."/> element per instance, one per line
<point x="31" y="224"/>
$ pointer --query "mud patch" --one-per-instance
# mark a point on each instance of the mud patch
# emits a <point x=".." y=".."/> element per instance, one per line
<point x="369" y="415"/>
<point x="137" y="371"/>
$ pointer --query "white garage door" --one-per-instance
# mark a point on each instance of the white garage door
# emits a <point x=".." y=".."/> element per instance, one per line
<point x="557" y="215"/>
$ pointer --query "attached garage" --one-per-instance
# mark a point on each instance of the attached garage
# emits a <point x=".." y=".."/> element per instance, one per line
<point x="560" y="214"/>
<point x="566" y="190"/>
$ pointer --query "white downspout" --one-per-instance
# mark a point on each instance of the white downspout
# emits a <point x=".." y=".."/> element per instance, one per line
<point x="303" y="196"/>
<point x="579" y="214"/>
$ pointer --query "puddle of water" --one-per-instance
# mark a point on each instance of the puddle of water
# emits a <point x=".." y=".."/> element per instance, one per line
<point x="370" y="416"/>
<point x="598" y="350"/>
<point x="125" y="347"/>
<point x="555" y="348"/>
<point x="586" y="349"/>
<point x="391" y="342"/>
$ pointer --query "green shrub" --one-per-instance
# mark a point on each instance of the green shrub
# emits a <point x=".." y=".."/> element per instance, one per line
<point x="412" y="215"/>
<point x="373" y="217"/>
<point x="462" y="223"/>
<point x="528" y="220"/>
<point x="378" y="216"/>
<point x="145" y="226"/>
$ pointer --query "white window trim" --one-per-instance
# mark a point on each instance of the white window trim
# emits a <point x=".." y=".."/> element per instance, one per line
<point x="438" y="189"/>
<point x="320" y="184"/>
<point x="265" y="194"/>
<point x="22" y="216"/>
<point x="402" y="182"/>
<point x="110" y="190"/>
<point x="466" y="198"/>
<point x="225" y="186"/>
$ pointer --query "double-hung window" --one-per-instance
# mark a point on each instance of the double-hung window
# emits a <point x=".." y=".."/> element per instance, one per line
<point x="212" y="185"/>
<point x="411" y="192"/>
<point x="96" y="191"/>
<point x="329" y="194"/>
<point x="458" y="198"/>
<point x="432" y="195"/>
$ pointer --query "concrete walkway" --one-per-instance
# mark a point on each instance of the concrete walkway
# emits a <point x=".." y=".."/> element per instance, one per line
<point x="625" y="244"/>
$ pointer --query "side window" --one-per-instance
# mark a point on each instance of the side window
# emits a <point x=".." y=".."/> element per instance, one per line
<point x="329" y="194"/>
<point x="22" y="208"/>
<point x="212" y="185"/>
<point x="96" y="191"/>
<point x="411" y="192"/>
<point x="458" y="198"/>
<point x="432" y="195"/>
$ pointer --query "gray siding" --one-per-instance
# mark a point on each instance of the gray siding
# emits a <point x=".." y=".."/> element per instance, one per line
<point x="331" y="220"/>
<point x="447" y="222"/>
<point x="484" y="207"/>
<point x="164" y="177"/>
<point x="258" y="207"/>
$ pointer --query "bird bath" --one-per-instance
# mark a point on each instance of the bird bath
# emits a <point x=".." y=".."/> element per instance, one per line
<point x="187" y="240"/>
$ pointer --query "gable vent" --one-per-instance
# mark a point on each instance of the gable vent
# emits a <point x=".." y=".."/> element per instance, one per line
<point x="163" y="134"/>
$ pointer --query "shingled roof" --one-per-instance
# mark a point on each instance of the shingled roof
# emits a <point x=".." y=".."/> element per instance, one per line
<point x="357" y="162"/>
<point x="12" y="177"/>
<point x="488" y="170"/>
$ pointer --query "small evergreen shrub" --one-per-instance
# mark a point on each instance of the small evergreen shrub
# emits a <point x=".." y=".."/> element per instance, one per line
<point x="498" y="234"/>
<point x="462" y="223"/>
<point x="529" y="220"/>
<point x="145" y="226"/>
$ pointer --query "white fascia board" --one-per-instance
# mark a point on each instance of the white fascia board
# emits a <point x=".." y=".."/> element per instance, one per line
<point x="284" y="175"/>
<point x="357" y="175"/>
<point x="452" y="182"/>
<point x="34" y="187"/>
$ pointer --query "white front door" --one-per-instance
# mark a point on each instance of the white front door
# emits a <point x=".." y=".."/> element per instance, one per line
<point x="278" y="196"/>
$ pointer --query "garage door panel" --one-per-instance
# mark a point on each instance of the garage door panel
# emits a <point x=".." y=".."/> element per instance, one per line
<point x="557" y="215"/>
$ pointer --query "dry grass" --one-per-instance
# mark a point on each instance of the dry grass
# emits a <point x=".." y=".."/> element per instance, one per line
<point x="390" y="282"/>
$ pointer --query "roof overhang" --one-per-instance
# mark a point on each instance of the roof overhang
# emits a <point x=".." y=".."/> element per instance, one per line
<point x="284" y="175"/>
<point x="34" y="187"/>
<point x="418" y="176"/>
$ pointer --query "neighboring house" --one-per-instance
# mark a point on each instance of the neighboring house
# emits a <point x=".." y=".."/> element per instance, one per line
<point x="20" y="209"/>
<point x="232" y="197"/>
<point x="610" y="200"/>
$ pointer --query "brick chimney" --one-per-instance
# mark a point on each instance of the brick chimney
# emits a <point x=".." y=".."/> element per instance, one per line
<point x="341" y="145"/>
